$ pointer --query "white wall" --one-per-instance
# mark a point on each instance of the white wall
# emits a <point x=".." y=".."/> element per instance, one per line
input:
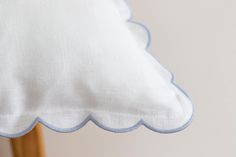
<point x="195" y="39"/>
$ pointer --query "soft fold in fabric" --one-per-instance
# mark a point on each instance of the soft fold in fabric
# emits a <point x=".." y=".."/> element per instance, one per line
<point x="65" y="62"/>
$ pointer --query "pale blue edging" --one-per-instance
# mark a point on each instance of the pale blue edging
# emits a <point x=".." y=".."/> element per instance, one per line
<point x="91" y="118"/>
<point x="146" y="29"/>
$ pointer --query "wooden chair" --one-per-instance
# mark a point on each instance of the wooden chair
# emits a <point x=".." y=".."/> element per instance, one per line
<point x="29" y="145"/>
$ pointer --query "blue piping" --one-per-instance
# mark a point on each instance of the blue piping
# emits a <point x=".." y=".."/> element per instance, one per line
<point x="91" y="118"/>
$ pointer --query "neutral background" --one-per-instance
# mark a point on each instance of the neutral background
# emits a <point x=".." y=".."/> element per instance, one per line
<point x="196" y="40"/>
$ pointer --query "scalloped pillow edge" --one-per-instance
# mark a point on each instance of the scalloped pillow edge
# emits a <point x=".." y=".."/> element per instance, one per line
<point x="126" y="13"/>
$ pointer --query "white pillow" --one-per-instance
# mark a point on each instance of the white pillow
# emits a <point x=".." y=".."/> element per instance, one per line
<point x="65" y="62"/>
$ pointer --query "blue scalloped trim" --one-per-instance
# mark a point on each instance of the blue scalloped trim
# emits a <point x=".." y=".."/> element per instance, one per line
<point x="91" y="118"/>
<point x="147" y="30"/>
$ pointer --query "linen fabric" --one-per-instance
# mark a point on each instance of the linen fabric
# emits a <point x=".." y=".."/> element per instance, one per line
<point x="65" y="62"/>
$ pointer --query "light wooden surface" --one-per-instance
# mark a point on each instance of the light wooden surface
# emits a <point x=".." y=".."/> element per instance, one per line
<point x="29" y="145"/>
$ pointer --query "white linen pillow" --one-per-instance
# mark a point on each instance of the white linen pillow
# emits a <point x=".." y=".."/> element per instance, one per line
<point x="65" y="62"/>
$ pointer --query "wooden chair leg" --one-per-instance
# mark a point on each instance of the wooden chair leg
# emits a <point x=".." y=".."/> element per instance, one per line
<point x="29" y="145"/>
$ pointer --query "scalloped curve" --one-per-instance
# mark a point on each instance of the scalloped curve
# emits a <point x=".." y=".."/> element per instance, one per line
<point x="90" y="117"/>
